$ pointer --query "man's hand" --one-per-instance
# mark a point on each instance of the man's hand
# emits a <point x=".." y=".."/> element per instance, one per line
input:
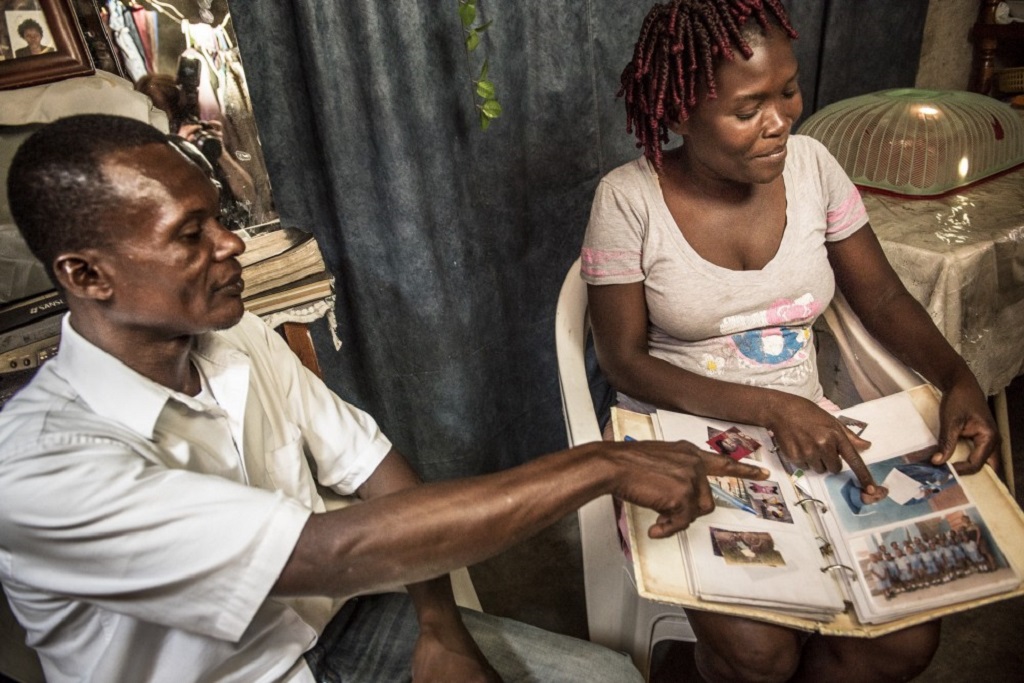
<point x="672" y="480"/>
<point x="448" y="653"/>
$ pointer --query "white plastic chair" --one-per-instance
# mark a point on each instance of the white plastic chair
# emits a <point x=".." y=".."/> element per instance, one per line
<point x="616" y="615"/>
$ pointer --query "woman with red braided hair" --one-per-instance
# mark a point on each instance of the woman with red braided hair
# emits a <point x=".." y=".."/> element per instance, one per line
<point x="707" y="264"/>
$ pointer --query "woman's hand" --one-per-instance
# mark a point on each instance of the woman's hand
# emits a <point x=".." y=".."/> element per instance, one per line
<point x="964" y="414"/>
<point x="896" y="319"/>
<point x="811" y="438"/>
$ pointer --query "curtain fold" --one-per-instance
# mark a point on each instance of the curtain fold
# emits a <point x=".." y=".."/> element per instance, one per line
<point x="448" y="243"/>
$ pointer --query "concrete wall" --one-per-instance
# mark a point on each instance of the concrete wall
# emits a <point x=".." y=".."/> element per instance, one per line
<point x="946" y="48"/>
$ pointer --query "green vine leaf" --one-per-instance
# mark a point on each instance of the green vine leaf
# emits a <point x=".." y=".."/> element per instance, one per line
<point x="491" y="109"/>
<point x="467" y="12"/>
<point x="488" y="106"/>
<point x="485" y="89"/>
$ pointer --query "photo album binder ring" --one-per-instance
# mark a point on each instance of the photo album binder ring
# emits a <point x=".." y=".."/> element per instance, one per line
<point x="838" y="567"/>
<point x="814" y="552"/>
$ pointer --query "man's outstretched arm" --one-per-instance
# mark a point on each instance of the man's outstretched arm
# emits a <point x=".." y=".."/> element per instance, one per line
<point x="419" y="533"/>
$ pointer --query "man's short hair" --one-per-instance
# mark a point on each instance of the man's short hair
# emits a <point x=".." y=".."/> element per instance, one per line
<point x="59" y="195"/>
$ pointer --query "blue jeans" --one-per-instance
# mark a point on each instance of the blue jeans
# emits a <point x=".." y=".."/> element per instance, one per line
<point x="371" y="640"/>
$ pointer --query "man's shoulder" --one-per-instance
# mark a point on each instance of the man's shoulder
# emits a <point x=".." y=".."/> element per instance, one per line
<point x="48" y="412"/>
<point x="45" y="406"/>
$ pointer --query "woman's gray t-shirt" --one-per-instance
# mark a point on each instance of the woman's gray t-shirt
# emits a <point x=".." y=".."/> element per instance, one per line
<point x="750" y="327"/>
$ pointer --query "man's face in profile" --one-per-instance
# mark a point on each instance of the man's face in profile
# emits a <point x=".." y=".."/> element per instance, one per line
<point x="171" y="265"/>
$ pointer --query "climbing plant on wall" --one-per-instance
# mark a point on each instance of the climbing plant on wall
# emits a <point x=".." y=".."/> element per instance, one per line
<point x="485" y="95"/>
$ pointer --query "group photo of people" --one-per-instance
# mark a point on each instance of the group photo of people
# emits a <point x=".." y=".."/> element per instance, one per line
<point x="930" y="554"/>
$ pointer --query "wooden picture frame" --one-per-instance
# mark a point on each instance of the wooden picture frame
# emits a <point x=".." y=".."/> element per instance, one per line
<point x="68" y="57"/>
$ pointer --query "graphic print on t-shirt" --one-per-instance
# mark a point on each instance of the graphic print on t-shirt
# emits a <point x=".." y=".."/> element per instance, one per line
<point x="784" y="343"/>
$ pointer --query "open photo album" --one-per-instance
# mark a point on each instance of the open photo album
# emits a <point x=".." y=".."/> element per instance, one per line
<point x="816" y="548"/>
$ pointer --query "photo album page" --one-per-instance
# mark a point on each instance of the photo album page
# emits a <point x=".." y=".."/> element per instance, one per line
<point x="805" y="543"/>
<point x="920" y="542"/>
<point x="758" y="547"/>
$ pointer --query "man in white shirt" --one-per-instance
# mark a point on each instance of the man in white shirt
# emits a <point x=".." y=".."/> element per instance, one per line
<point x="159" y="517"/>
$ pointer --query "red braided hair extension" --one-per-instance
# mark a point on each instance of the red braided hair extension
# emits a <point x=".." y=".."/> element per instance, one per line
<point x="678" y="48"/>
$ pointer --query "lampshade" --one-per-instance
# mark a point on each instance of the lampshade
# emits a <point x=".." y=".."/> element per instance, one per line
<point x="920" y="143"/>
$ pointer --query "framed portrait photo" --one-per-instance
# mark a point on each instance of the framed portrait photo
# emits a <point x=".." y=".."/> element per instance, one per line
<point x="40" y="42"/>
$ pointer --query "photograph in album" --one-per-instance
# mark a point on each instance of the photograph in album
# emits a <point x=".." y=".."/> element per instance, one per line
<point x="763" y="499"/>
<point x="732" y="442"/>
<point x="916" y="565"/>
<point x="910" y="487"/>
<point x="745" y="547"/>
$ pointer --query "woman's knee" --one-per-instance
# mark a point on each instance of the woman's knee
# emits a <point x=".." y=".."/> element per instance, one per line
<point x="898" y="656"/>
<point x="908" y="652"/>
<point x="731" y="649"/>
<point x="749" y="663"/>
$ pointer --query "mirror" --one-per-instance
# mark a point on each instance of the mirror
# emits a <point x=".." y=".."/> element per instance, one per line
<point x="144" y="42"/>
<point x="184" y="56"/>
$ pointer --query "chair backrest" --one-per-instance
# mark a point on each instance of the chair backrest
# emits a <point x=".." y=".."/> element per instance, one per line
<point x="873" y="370"/>
<point x="572" y="327"/>
<point x="602" y="552"/>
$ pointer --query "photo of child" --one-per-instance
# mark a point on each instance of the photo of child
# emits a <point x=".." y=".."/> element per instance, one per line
<point x="767" y="501"/>
<point x="909" y="486"/>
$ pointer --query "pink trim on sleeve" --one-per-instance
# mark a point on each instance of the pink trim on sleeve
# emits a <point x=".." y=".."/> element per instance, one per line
<point x="602" y="263"/>
<point x="847" y="214"/>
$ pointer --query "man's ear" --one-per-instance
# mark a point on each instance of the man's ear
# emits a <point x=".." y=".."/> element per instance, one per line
<point x="83" y="276"/>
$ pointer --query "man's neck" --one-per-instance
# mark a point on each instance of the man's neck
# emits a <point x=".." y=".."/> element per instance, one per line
<point x="165" y="360"/>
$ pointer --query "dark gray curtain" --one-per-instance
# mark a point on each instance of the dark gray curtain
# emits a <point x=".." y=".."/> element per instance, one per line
<point x="449" y="244"/>
<point x="851" y="47"/>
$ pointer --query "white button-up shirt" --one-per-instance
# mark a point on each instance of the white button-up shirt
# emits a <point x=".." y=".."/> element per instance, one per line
<point x="141" y="529"/>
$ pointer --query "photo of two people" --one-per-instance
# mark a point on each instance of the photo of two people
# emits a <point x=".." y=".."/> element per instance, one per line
<point x="745" y="547"/>
<point x="732" y="442"/>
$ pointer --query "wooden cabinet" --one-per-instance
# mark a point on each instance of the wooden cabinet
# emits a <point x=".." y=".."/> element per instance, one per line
<point x="988" y="37"/>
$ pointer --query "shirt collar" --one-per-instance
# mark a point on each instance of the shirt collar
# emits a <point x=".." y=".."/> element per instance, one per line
<point x="115" y="391"/>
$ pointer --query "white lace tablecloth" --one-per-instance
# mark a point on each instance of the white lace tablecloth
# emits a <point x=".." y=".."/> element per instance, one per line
<point x="962" y="257"/>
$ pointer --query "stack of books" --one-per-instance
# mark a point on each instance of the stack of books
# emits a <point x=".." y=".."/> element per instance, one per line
<point x="282" y="268"/>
